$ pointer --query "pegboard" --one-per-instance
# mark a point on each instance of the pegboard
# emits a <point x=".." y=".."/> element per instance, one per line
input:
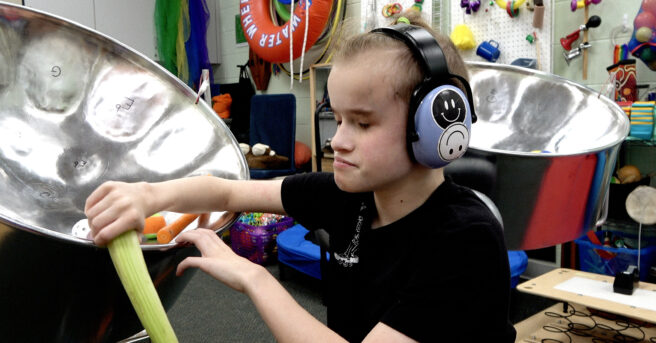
<point x="491" y="22"/>
<point x="372" y="12"/>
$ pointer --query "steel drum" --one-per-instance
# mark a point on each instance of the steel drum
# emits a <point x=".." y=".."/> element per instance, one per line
<point x="78" y="108"/>
<point x="549" y="147"/>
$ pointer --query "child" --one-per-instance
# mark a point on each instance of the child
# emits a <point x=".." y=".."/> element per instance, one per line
<point x="415" y="257"/>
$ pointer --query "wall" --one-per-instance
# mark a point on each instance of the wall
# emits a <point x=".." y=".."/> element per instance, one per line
<point x="641" y="154"/>
<point x="600" y="54"/>
<point x="233" y="55"/>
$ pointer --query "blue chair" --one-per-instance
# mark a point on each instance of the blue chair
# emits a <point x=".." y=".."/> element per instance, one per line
<point x="273" y="122"/>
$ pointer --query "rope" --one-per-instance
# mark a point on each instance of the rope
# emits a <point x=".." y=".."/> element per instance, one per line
<point x="307" y="25"/>
<point x="291" y="49"/>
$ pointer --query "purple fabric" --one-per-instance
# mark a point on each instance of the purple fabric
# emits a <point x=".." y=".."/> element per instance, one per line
<point x="196" y="47"/>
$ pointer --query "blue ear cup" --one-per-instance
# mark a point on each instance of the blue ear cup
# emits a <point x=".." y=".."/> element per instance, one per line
<point x="442" y="124"/>
<point x="437" y="132"/>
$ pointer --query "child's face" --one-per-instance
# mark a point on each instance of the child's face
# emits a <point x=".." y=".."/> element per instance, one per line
<point x="370" y="147"/>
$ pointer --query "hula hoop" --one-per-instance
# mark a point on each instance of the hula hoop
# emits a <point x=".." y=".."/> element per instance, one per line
<point x="271" y="42"/>
<point x="282" y="11"/>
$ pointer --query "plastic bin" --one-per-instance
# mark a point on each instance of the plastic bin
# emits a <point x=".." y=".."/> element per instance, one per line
<point x="257" y="243"/>
<point x="600" y="259"/>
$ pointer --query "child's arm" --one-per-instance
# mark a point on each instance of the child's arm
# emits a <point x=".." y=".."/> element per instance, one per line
<point x="116" y="207"/>
<point x="286" y="319"/>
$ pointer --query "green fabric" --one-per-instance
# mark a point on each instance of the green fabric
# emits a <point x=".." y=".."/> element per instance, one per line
<point x="167" y="15"/>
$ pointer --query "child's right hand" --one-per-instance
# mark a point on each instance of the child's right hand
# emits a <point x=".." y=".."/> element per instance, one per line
<point x="218" y="260"/>
<point x="116" y="207"/>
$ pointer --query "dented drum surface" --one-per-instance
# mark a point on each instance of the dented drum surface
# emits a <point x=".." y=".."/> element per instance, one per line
<point x="550" y="147"/>
<point x="78" y="108"/>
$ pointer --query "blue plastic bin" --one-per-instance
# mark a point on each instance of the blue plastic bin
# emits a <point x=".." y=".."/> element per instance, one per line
<point x="590" y="259"/>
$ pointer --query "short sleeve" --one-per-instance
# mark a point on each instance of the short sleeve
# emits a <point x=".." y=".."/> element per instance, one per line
<point x="309" y="197"/>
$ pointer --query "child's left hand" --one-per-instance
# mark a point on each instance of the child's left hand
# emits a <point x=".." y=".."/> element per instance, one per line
<point x="217" y="259"/>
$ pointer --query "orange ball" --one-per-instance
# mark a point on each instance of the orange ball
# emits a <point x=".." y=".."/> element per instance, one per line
<point x="302" y="154"/>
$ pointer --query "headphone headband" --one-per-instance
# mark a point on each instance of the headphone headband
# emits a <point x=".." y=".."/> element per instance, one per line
<point x="423" y="45"/>
<point x="431" y="59"/>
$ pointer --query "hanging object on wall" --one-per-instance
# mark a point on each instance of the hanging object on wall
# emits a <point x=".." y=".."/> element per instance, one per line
<point x="578" y="4"/>
<point x="274" y="43"/>
<point x="575" y="52"/>
<point x="418" y="5"/>
<point x="512" y="7"/>
<point x="392" y="9"/>
<point x="643" y="40"/>
<point x="571" y="53"/>
<point x="538" y="14"/>
<point x="489" y="50"/>
<point x="462" y="37"/>
<point x="470" y="6"/>
<point x="567" y="41"/>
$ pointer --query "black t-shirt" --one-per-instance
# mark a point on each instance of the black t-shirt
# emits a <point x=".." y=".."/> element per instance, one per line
<point x="440" y="273"/>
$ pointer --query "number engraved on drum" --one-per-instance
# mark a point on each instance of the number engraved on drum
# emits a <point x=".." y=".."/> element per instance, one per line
<point x="79" y="164"/>
<point x="56" y="71"/>
<point x="126" y="105"/>
<point x="493" y="96"/>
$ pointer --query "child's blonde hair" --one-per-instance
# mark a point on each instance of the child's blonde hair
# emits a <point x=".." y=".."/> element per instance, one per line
<point x="412" y="73"/>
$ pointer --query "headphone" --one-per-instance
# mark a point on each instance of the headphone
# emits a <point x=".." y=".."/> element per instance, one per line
<point x="440" y="115"/>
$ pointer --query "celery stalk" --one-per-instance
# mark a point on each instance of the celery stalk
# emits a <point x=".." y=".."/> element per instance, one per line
<point x="131" y="268"/>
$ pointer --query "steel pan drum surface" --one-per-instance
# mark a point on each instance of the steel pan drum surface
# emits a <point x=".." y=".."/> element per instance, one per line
<point x="76" y="109"/>
<point x="551" y="145"/>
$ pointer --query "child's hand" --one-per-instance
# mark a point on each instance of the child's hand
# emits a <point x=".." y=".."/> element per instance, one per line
<point x="217" y="259"/>
<point x="116" y="207"/>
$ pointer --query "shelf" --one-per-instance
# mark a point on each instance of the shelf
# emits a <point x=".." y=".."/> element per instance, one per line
<point x="640" y="142"/>
<point x="313" y="105"/>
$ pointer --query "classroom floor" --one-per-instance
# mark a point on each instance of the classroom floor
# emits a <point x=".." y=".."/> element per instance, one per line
<point x="208" y="311"/>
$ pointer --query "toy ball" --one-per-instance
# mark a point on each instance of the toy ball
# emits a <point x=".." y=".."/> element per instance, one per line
<point x="643" y="34"/>
<point x="644" y="19"/>
<point x="649" y="6"/>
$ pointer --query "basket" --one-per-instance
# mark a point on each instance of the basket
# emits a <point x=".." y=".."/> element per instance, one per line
<point x="601" y="259"/>
<point x="257" y="243"/>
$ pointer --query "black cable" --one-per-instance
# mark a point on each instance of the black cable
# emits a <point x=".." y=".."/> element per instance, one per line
<point x="571" y="328"/>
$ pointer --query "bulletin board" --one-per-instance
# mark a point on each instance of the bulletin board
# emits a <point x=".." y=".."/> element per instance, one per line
<point x="491" y="22"/>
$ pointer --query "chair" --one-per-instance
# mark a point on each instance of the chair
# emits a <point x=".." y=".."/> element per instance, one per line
<point x="273" y="122"/>
<point x="479" y="174"/>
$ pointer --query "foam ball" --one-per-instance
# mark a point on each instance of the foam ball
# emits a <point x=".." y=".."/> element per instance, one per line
<point x="643" y="34"/>
<point x="644" y="19"/>
<point x="302" y="154"/>
<point x="649" y="6"/>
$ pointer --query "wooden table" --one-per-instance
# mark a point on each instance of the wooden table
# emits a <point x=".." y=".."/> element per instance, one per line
<point x="544" y="285"/>
<point x="577" y="324"/>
